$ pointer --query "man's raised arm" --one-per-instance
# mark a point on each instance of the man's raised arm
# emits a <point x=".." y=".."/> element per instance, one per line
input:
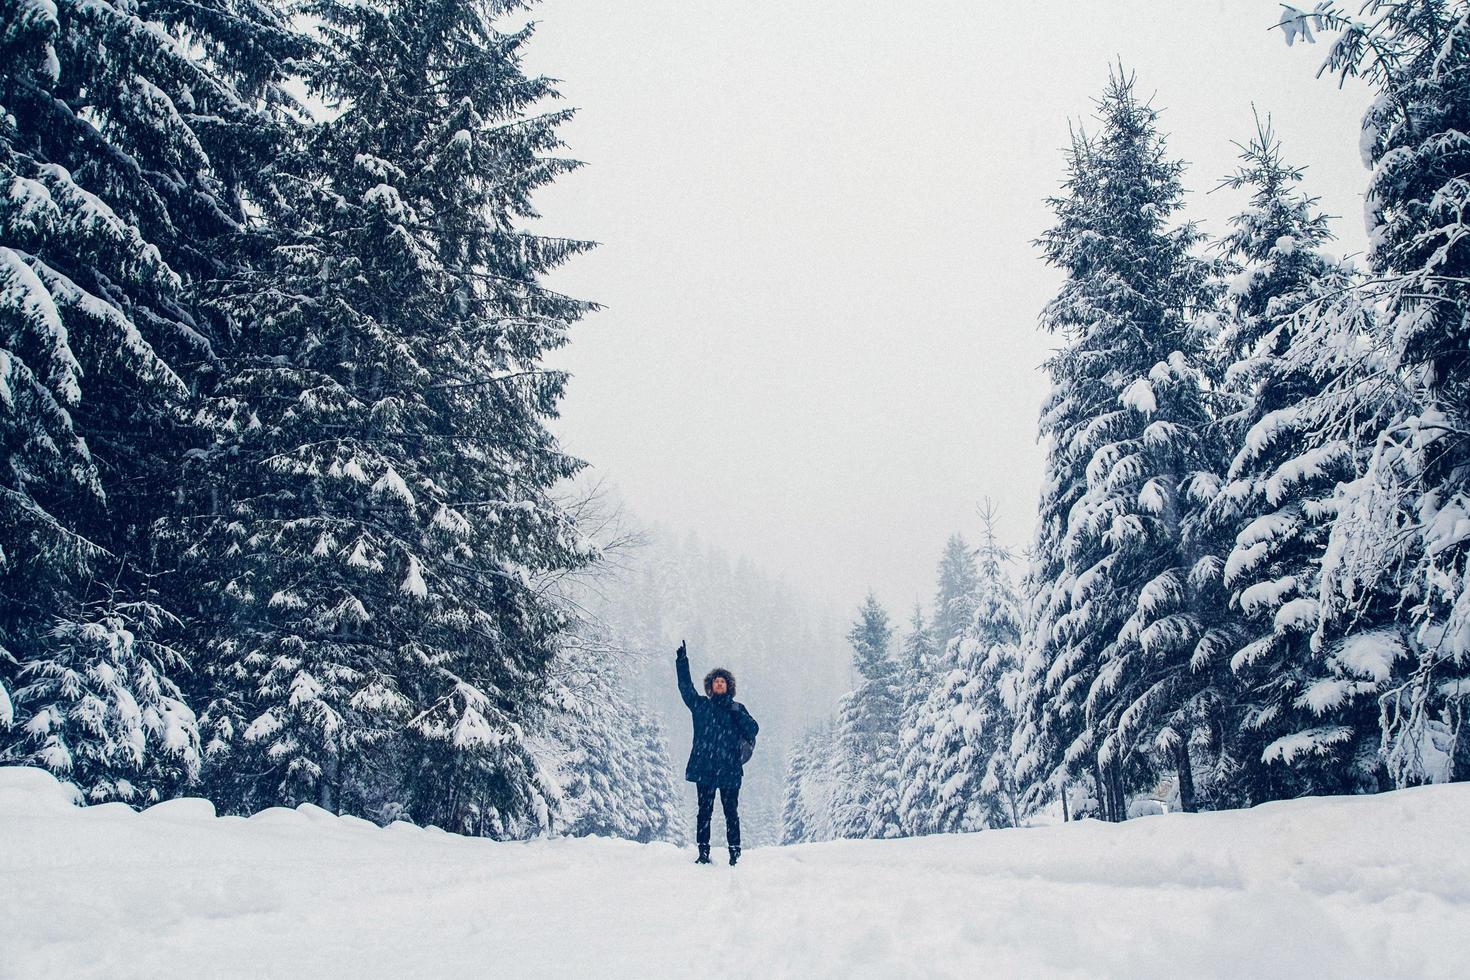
<point x="686" y="685"/>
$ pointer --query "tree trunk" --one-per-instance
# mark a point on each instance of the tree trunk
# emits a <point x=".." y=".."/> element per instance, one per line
<point x="1100" y="792"/>
<point x="1186" y="776"/>
<point x="340" y="774"/>
<point x="1066" y="818"/>
<point x="1117" y="804"/>
<point x="1111" y="804"/>
<point x="327" y="784"/>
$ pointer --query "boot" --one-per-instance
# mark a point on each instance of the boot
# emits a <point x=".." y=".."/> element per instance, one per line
<point x="734" y="855"/>
<point x="703" y="855"/>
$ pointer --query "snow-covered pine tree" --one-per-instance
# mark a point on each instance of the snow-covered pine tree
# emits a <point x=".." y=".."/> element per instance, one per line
<point x="957" y="770"/>
<point x="794" y="828"/>
<point x="999" y="680"/>
<point x="1295" y="402"/>
<point x="1115" y="636"/>
<point x="954" y="595"/>
<point x="104" y="711"/>
<point x="663" y="801"/>
<point x="917" y="658"/>
<point x="919" y="744"/>
<point x="1050" y="722"/>
<point x="991" y="654"/>
<point x="377" y="522"/>
<point x="807" y="813"/>
<point x="918" y="672"/>
<point x="614" y="769"/>
<point x="866" y="739"/>
<point x="1396" y="606"/>
<point x="130" y="137"/>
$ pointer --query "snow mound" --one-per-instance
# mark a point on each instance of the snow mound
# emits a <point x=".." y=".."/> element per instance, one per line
<point x="1348" y="886"/>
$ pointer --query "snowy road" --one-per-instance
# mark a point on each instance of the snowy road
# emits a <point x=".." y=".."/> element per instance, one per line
<point x="1375" y="886"/>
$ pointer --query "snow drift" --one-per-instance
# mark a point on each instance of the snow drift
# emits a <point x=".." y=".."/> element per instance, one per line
<point x="1349" y="886"/>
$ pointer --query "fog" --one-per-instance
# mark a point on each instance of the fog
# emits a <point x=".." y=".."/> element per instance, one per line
<point x="819" y="346"/>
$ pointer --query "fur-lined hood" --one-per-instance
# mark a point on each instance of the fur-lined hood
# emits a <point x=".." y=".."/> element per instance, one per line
<point x="719" y="672"/>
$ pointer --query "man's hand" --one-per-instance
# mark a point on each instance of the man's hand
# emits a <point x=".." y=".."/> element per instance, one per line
<point x="681" y="653"/>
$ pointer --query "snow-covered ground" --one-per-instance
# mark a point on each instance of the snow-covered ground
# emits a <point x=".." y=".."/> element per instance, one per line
<point x="1347" y="887"/>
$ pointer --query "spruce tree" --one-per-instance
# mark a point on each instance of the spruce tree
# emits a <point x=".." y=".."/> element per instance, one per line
<point x="922" y="742"/>
<point x="954" y="596"/>
<point x="660" y="785"/>
<point x="1290" y="426"/>
<point x="919" y="666"/>
<point x="918" y="658"/>
<point x="794" y="829"/>
<point x="1396" y="609"/>
<point x="127" y="159"/>
<point x="957" y="773"/>
<point x="1126" y="464"/>
<point x="377" y="520"/>
<point x="614" y="772"/>
<point x="866" y="740"/>
<point x="811" y="787"/>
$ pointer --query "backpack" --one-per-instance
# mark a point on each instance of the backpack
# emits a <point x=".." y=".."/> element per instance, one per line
<point x="747" y="749"/>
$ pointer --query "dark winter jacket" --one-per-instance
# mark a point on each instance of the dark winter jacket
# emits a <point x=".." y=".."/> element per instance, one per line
<point x="720" y="724"/>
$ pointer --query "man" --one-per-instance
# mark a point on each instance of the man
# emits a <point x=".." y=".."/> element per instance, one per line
<point x="724" y="737"/>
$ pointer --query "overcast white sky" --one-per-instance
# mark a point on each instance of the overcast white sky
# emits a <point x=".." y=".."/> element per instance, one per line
<point x="820" y="345"/>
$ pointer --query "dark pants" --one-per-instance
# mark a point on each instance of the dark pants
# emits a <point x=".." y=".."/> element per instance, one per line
<point x="729" y="801"/>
